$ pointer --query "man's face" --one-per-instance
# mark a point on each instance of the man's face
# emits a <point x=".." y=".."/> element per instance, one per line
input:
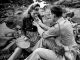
<point x="53" y="17"/>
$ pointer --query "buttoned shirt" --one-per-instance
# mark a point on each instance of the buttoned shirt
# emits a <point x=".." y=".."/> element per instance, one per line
<point x="63" y="30"/>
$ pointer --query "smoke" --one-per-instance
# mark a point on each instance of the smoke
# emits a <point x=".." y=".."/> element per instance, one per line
<point x="37" y="0"/>
<point x="34" y="0"/>
<point x="41" y="2"/>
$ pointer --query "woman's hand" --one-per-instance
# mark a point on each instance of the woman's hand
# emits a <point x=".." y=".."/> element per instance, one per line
<point x="35" y="23"/>
<point x="37" y="20"/>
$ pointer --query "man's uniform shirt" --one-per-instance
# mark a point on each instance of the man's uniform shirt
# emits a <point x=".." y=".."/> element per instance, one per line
<point x="61" y="31"/>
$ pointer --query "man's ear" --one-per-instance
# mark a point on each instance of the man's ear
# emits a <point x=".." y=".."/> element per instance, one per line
<point x="54" y="16"/>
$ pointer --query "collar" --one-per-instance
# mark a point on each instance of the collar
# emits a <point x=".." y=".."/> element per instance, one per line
<point x="60" y="20"/>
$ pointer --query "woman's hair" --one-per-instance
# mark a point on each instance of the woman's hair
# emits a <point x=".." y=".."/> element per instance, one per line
<point x="57" y="10"/>
<point x="33" y="7"/>
<point x="28" y="19"/>
<point x="29" y="9"/>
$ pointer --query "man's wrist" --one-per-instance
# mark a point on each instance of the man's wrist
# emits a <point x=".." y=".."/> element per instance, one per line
<point x="39" y="23"/>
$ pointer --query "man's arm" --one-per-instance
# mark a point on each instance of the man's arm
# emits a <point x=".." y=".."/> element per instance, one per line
<point x="51" y="32"/>
<point x="40" y="30"/>
<point x="44" y="26"/>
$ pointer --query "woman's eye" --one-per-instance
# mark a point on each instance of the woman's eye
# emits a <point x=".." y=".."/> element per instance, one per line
<point x="36" y="9"/>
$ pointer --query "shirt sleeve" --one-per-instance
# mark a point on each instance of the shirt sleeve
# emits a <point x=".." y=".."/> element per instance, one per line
<point x="52" y="32"/>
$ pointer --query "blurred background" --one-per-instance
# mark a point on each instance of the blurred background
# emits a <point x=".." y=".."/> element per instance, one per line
<point x="11" y="11"/>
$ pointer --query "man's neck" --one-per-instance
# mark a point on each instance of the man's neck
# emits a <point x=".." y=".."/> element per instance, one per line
<point x="60" y="19"/>
<point x="55" y="19"/>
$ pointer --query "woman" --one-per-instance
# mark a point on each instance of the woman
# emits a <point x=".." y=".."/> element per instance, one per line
<point x="29" y="30"/>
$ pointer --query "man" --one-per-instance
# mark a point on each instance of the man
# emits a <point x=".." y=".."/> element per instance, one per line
<point x="54" y="38"/>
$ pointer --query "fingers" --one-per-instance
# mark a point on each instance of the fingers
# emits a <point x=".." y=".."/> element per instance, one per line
<point x="37" y="20"/>
<point x="35" y="23"/>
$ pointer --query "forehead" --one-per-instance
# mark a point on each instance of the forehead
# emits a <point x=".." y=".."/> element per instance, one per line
<point x="33" y="11"/>
<point x="37" y="7"/>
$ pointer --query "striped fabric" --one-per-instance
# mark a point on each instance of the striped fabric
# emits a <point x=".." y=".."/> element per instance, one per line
<point x="64" y="35"/>
<point x="33" y="37"/>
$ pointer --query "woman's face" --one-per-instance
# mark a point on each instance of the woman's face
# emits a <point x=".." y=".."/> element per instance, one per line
<point x="35" y="12"/>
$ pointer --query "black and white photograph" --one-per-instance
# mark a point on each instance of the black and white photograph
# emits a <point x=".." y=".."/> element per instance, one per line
<point x="39" y="29"/>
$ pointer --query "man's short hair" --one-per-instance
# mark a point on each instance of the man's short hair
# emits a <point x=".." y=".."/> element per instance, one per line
<point x="57" y="10"/>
